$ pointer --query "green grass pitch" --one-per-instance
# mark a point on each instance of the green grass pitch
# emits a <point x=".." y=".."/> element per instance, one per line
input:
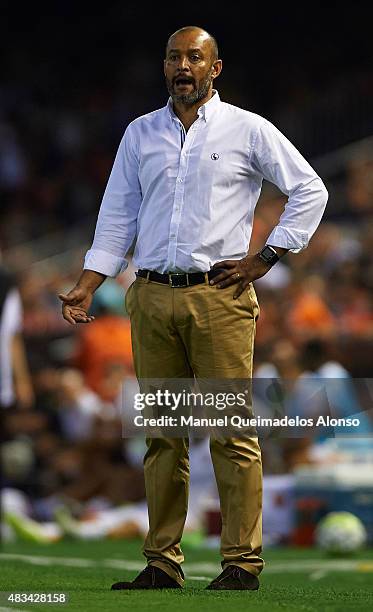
<point x="294" y="579"/>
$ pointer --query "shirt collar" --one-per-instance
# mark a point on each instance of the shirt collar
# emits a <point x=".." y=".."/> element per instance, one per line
<point x="205" y="111"/>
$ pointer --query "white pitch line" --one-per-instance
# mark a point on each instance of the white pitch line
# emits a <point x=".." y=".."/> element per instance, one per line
<point x="318" y="575"/>
<point x="38" y="560"/>
<point x="314" y="565"/>
<point x="208" y="568"/>
<point x="2" y="609"/>
<point x="137" y="566"/>
<point x="125" y="565"/>
<point x="272" y="567"/>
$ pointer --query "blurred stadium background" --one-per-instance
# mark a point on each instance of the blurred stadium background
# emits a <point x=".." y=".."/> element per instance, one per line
<point x="71" y="82"/>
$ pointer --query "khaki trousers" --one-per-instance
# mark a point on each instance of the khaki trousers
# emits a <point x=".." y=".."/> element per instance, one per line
<point x="201" y="331"/>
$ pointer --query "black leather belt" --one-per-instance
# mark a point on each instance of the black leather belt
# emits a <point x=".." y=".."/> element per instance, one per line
<point x="178" y="279"/>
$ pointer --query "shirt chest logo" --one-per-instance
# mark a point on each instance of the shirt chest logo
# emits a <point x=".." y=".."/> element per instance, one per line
<point x="214" y="156"/>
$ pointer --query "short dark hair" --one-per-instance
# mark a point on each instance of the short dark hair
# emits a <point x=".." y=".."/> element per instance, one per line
<point x="214" y="44"/>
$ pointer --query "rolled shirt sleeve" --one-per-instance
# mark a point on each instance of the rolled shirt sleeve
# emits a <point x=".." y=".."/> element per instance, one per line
<point x="279" y="162"/>
<point x="117" y="218"/>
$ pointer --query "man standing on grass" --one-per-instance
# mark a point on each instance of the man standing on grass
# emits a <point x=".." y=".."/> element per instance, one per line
<point x="184" y="186"/>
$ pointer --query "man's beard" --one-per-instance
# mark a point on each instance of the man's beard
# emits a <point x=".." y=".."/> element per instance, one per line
<point x="195" y="96"/>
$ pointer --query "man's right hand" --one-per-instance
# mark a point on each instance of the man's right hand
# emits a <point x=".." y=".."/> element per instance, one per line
<point x="75" y="305"/>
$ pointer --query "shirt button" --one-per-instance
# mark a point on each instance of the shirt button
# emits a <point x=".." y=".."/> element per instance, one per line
<point x="179" y="180"/>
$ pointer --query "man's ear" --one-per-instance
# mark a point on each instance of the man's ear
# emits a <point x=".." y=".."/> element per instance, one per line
<point x="216" y="68"/>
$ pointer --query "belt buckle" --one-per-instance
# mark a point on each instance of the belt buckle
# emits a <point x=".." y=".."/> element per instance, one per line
<point x="176" y="282"/>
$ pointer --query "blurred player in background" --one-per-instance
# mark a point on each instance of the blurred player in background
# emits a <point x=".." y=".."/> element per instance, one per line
<point x="15" y="381"/>
<point x="184" y="185"/>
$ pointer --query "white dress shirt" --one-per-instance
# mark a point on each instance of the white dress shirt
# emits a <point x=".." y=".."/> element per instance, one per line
<point x="187" y="199"/>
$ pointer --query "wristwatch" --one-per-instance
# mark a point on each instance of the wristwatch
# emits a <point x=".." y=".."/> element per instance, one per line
<point x="268" y="255"/>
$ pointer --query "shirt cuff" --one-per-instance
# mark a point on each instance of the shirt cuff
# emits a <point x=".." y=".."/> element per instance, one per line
<point x="104" y="262"/>
<point x="288" y="238"/>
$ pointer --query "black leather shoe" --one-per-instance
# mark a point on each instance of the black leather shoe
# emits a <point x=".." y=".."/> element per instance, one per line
<point x="234" y="578"/>
<point x="151" y="577"/>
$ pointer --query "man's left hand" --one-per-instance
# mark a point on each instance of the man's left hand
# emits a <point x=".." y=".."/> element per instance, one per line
<point x="240" y="272"/>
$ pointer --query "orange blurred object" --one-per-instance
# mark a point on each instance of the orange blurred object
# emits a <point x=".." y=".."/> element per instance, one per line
<point x="310" y="314"/>
<point x="104" y="354"/>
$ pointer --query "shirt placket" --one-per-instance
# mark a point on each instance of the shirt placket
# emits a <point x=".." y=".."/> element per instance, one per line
<point x="186" y="142"/>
